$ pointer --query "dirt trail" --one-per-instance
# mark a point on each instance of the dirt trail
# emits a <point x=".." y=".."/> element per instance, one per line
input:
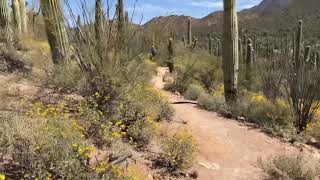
<point x="228" y="149"/>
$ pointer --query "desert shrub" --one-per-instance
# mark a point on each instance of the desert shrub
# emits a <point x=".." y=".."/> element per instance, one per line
<point x="43" y="148"/>
<point x="271" y="117"/>
<point x="166" y="111"/>
<point x="179" y="150"/>
<point x="194" y="91"/>
<point x="313" y="130"/>
<point x="141" y="132"/>
<point x="286" y="167"/>
<point x="211" y="103"/>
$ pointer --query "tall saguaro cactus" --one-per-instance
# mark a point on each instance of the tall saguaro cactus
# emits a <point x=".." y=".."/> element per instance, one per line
<point x="249" y="59"/>
<point x="98" y="26"/>
<point x="189" y="34"/>
<point x="5" y="21"/>
<point x="230" y="51"/>
<point x="24" y="17"/>
<point x="55" y="29"/>
<point x="121" y="22"/>
<point x="16" y="17"/>
<point x="171" y="53"/>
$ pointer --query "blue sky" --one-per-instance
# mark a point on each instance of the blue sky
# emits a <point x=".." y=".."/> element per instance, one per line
<point x="145" y="10"/>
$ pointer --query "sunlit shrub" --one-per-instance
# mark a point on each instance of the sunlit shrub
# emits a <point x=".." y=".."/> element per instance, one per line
<point x="179" y="150"/>
<point x="286" y="167"/>
<point x="194" y="91"/>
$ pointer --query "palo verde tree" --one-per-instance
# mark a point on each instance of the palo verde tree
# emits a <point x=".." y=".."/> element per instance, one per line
<point x="5" y="21"/>
<point x="230" y="51"/>
<point x="55" y="29"/>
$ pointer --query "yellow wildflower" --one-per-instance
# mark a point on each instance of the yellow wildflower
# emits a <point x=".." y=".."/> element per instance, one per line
<point x="2" y="177"/>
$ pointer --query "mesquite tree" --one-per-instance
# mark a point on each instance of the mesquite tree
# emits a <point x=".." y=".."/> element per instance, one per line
<point x="16" y="17"/>
<point x="5" y="21"/>
<point x="55" y="29"/>
<point x="230" y="51"/>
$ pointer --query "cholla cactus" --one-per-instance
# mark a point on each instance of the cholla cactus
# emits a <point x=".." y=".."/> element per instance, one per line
<point x="230" y="51"/>
<point x="56" y="30"/>
<point x="5" y="21"/>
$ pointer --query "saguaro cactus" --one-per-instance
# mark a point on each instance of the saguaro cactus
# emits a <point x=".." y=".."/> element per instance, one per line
<point x="16" y="17"/>
<point x="171" y="53"/>
<point x="98" y="25"/>
<point x="230" y="51"/>
<point x="55" y="29"/>
<point x="189" y="32"/>
<point x="24" y="17"/>
<point x="121" y="25"/>
<point x="249" y="58"/>
<point x="5" y="21"/>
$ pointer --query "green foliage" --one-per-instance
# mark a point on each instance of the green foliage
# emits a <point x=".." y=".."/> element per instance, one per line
<point x="212" y="103"/>
<point x="43" y="148"/>
<point x="194" y="92"/>
<point x="286" y="167"/>
<point x="141" y="132"/>
<point x="179" y="150"/>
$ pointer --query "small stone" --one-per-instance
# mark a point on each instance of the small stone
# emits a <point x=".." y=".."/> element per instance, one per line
<point x="241" y="119"/>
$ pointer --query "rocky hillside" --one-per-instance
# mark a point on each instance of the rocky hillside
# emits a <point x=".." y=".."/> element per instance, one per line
<point x="269" y="16"/>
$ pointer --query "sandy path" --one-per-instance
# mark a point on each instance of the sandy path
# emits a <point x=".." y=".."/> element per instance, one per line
<point x="228" y="149"/>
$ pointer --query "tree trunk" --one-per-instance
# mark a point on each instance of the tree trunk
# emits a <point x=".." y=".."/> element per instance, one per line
<point x="24" y="17"/>
<point x="55" y="29"/>
<point x="16" y="17"/>
<point x="230" y="51"/>
<point x="5" y="21"/>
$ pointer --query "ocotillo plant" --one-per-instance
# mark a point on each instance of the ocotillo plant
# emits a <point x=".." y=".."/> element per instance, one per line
<point x="56" y="30"/>
<point x="189" y="32"/>
<point x="5" y="21"/>
<point x="230" y="51"/>
<point x="298" y="44"/>
<point x="171" y="53"/>
<point x="16" y="17"/>
<point x="24" y="17"/>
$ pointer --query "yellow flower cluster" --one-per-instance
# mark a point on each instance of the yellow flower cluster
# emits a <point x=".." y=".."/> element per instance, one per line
<point x="2" y="176"/>
<point x="48" y="111"/>
<point x="84" y="151"/>
<point x="219" y="90"/>
<point x="258" y="97"/>
<point x="103" y="167"/>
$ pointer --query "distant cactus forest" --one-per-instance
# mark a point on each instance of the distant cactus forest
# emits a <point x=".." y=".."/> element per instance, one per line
<point x="91" y="93"/>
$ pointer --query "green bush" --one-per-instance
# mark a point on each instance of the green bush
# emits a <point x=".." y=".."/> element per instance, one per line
<point x="179" y="150"/>
<point x="194" y="91"/>
<point x="212" y="103"/>
<point x="286" y="167"/>
<point x="166" y="111"/>
<point x="43" y="148"/>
